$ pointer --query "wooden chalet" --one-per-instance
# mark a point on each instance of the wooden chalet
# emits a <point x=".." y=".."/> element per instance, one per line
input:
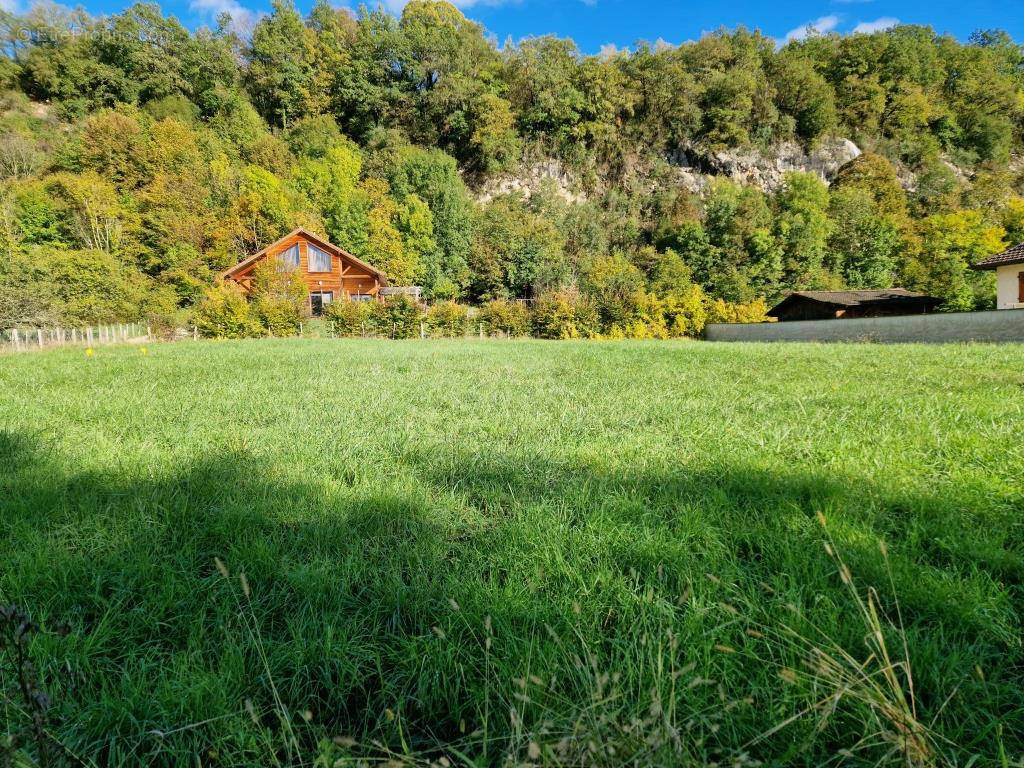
<point x="829" y="305"/>
<point x="329" y="272"/>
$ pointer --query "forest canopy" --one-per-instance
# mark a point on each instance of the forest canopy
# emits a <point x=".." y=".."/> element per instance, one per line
<point x="139" y="158"/>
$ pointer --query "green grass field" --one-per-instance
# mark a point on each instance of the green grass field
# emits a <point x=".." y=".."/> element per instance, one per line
<point x="491" y="552"/>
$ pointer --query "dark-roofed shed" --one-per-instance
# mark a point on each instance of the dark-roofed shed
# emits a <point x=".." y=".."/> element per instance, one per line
<point x="829" y="305"/>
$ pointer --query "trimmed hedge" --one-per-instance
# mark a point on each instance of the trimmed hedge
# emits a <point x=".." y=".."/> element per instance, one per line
<point x="561" y="314"/>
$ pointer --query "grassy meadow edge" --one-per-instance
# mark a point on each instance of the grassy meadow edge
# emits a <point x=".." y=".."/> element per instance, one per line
<point x="488" y="552"/>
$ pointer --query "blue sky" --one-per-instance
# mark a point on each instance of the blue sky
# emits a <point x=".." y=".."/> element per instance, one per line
<point x="598" y="23"/>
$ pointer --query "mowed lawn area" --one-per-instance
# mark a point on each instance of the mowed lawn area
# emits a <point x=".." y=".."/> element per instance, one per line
<point x="487" y="552"/>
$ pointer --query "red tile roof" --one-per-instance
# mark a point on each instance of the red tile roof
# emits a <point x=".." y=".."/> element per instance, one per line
<point x="1013" y="255"/>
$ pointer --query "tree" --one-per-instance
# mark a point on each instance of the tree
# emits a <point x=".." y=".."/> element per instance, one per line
<point x="384" y="244"/>
<point x="950" y="243"/>
<point x="451" y="70"/>
<point x="314" y="136"/>
<point x="616" y="285"/>
<point x="516" y="253"/>
<point x="262" y="209"/>
<point x="115" y="144"/>
<point x="1013" y="220"/>
<point x="802" y="229"/>
<point x="92" y="286"/>
<point x="735" y="255"/>
<point x="803" y="94"/>
<point x="283" y="77"/>
<point x="865" y="244"/>
<point x="279" y="298"/>
<point x="416" y="225"/>
<point x="494" y="143"/>
<point x="95" y="218"/>
<point x="433" y="176"/>
<point x="665" y="111"/>
<point x="875" y="175"/>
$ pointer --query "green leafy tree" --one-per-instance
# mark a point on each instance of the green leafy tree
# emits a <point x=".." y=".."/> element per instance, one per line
<point x="874" y="174"/>
<point x="516" y="253"/>
<point x="950" y="243"/>
<point x="802" y="229"/>
<point x="262" y="208"/>
<point x="865" y="245"/>
<point x="617" y="287"/>
<point x="804" y="95"/>
<point x="283" y="78"/>
<point x="433" y="177"/>
<point x="93" y="287"/>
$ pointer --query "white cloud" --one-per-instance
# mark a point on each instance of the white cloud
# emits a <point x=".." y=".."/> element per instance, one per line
<point x="609" y="51"/>
<point x="8" y="5"/>
<point x="243" y="19"/>
<point x="867" y="27"/>
<point x="821" y="26"/>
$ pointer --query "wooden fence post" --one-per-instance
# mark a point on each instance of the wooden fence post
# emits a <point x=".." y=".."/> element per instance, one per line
<point x="17" y="341"/>
<point x="423" y="331"/>
<point x="481" y="330"/>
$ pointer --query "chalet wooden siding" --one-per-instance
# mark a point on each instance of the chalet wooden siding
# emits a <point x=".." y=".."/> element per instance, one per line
<point x="330" y="273"/>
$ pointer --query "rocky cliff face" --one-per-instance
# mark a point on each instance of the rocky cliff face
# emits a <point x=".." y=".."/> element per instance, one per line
<point x="531" y="178"/>
<point x="695" y="168"/>
<point x="756" y="168"/>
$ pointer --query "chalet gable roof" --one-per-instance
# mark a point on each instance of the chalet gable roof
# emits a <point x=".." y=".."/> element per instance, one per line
<point x="305" y="234"/>
<point x="1014" y="255"/>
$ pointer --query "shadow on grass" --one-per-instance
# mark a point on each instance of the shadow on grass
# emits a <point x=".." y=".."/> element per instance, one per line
<point x="402" y="607"/>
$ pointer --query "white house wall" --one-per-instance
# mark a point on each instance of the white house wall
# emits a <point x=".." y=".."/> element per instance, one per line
<point x="1008" y="286"/>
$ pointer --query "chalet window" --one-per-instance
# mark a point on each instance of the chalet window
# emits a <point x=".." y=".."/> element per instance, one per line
<point x="290" y="257"/>
<point x="319" y="300"/>
<point x="318" y="259"/>
<point x="361" y="297"/>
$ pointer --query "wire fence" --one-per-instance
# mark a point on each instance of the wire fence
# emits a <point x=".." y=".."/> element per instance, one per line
<point x="29" y="339"/>
<point x="26" y="339"/>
